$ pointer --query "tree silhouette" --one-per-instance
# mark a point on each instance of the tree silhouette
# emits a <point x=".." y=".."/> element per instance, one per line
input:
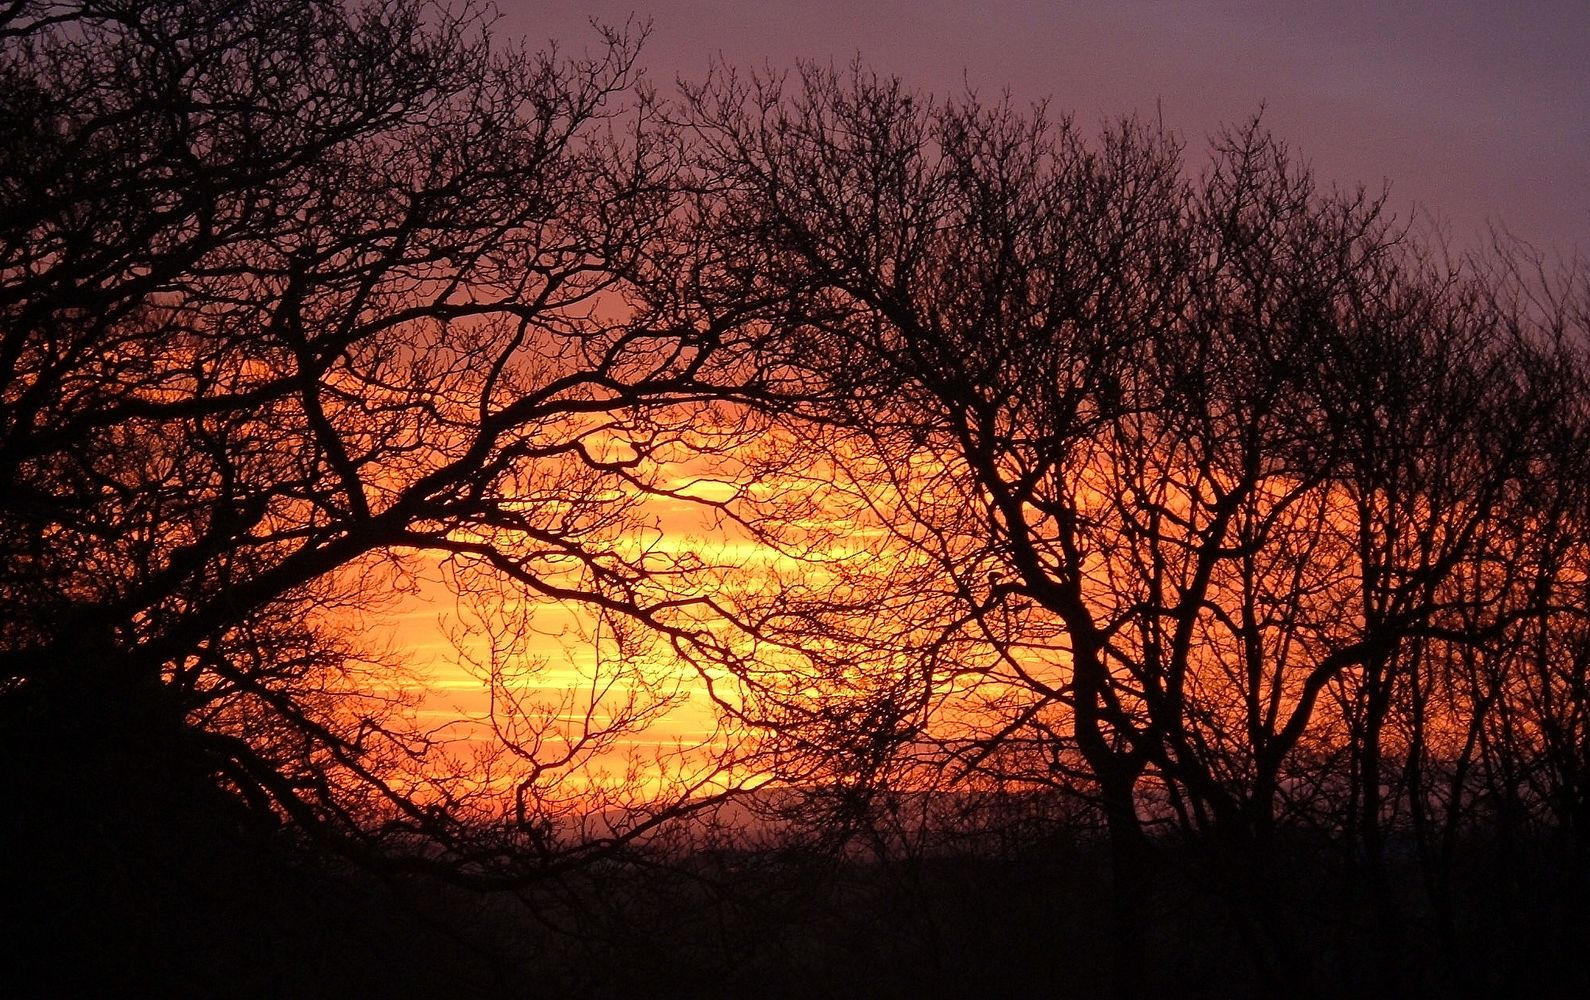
<point x="298" y="300"/>
<point x="1077" y="485"/>
<point x="1171" y="488"/>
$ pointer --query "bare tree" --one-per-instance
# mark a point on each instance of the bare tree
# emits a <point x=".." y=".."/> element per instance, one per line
<point x="1150" y="484"/>
<point x="300" y="299"/>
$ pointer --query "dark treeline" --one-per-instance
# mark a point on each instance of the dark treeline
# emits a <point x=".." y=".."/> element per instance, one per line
<point x="1220" y="501"/>
<point x="1170" y="573"/>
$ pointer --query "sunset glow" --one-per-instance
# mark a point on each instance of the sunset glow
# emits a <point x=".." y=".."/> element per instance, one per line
<point x="832" y="499"/>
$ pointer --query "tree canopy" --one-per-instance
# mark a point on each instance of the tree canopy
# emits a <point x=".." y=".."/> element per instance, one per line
<point x="299" y="298"/>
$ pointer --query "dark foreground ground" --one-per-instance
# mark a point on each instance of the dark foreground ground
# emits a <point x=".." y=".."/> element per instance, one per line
<point x="135" y="884"/>
<point x="192" y="912"/>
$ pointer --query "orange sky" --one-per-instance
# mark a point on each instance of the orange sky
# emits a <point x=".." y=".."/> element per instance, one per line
<point x="1474" y="113"/>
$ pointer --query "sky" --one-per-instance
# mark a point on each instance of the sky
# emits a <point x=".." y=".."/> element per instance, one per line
<point x="1477" y="114"/>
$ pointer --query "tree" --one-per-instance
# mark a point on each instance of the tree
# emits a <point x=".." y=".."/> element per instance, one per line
<point x="299" y="299"/>
<point x="1152" y="485"/>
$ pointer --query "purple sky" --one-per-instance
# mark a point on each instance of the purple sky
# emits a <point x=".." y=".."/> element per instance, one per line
<point x="1478" y="112"/>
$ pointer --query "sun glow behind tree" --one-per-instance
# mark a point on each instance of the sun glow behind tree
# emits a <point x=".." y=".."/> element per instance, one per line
<point x="472" y="461"/>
